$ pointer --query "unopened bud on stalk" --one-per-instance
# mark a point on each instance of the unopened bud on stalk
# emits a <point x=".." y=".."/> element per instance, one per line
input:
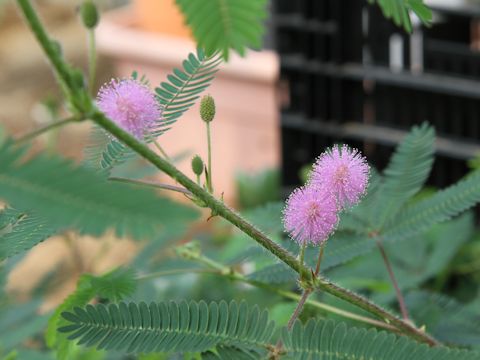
<point x="207" y="108"/>
<point x="89" y="14"/>
<point x="197" y="165"/>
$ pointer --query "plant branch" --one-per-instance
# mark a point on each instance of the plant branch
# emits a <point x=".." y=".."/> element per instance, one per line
<point x="216" y="268"/>
<point x="299" y="308"/>
<point x="151" y="184"/>
<point x="319" y="260"/>
<point x="209" y="160"/>
<point x="92" y="61"/>
<point x="51" y="50"/>
<point x="398" y="292"/>
<point x="217" y="207"/>
<point x="53" y="125"/>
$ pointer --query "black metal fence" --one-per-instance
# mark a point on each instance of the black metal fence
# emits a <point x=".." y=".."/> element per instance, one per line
<point x="353" y="76"/>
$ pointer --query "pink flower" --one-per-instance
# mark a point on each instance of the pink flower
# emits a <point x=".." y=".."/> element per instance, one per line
<point x="342" y="171"/>
<point x="131" y="105"/>
<point x="310" y="215"/>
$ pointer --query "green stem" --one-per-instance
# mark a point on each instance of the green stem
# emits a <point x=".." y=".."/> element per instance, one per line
<point x="215" y="205"/>
<point x="158" y="146"/>
<point x="151" y="184"/>
<point x="46" y="128"/>
<point x="302" y="254"/>
<point x="222" y="270"/>
<point x="175" y="272"/>
<point x="92" y="61"/>
<point x="209" y="164"/>
<point x="319" y="260"/>
<point x="62" y="70"/>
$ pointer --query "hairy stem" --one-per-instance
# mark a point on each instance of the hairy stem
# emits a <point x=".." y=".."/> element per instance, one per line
<point x="299" y="308"/>
<point x="151" y="184"/>
<point x="92" y="61"/>
<point x="53" y="125"/>
<point x="217" y="207"/>
<point x="398" y="292"/>
<point x="209" y="160"/>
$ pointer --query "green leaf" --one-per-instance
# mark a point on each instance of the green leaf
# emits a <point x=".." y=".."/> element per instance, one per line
<point x="19" y="322"/>
<point x="329" y="340"/>
<point x="184" y="86"/>
<point x="83" y="294"/>
<point x="449" y="321"/>
<point x="437" y="208"/>
<point x="399" y="11"/>
<point x="104" y="153"/>
<point x="221" y="25"/>
<point x="71" y="196"/>
<point x="113" y="286"/>
<point x="415" y="260"/>
<point x="406" y="173"/>
<point x="20" y="231"/>
<point x="168" y="327"/>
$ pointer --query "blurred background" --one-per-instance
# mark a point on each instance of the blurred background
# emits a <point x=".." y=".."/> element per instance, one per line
<point x="326" y="75"/>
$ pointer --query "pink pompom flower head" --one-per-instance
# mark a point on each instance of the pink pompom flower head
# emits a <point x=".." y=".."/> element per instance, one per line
<point x="342" y="171"/>
<point x="131" y="105"/>
<point x="310" y="215"/>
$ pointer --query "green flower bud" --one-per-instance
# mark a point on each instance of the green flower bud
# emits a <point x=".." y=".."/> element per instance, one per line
<point x="207" y="108"/>
<point x="197" y="165"/>
<point x="89" y="14"/>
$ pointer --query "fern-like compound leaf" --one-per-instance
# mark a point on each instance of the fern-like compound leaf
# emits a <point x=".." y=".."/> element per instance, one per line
<point x="448" y="320"/>
<point x="221" y="25"/>
<point x="113" y="286"/>
<point x="71" y="196"/>
<point x="168" y="326"/>
<point x="437" y="208"/>
<point x="328" y="340"/>
<point x="406" y="173"/>
<point x="399" y="11"/>
<point x="20" y="231"/>
<point x="185" y="85"/>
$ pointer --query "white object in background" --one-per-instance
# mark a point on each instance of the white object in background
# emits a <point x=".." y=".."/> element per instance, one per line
<point x="396" y="53"/>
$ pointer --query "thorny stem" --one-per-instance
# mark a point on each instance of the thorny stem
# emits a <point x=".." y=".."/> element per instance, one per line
<point x="53" y="125"/>
<point x="151" y="184"/>
<point x="218" y="207"/>
<point x="209" y="164"/>
<point x="398" y="292"/>
<point x="92" y="61"/>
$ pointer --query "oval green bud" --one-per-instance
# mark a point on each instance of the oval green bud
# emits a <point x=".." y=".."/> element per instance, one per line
<point x="207" y="108"/>
<point x="197" y="165"/>
<point x="89" y="14"/>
